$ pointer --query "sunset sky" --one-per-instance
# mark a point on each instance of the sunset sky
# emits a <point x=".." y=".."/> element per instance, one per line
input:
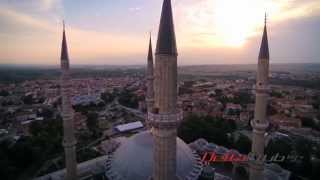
<point x="116" y="31"/>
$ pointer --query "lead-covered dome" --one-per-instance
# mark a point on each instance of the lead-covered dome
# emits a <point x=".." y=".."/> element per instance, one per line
<point x="134" y="160"/>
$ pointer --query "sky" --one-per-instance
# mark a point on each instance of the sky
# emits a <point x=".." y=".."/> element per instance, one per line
<point x="116" y="32"/>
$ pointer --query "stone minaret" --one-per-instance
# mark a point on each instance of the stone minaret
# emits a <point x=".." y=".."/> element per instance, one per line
<point x="260" y="122"/>
<point x="69" y="141"/>
<point x="150" y="78"/>
<point x="165" y="117"/>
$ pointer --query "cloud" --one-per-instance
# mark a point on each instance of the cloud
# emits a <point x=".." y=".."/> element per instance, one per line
<point x="43" y="41"/>
<point x="135" y="9"/>
<point x="204" y="28"/>
<point x="215" y="23"/>
<point x="22" y="19"/>
<point x="49" y="4"/>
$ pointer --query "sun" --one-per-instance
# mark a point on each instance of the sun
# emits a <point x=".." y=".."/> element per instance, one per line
<point x="236" y="21"/>
<point x="228" y="23"/>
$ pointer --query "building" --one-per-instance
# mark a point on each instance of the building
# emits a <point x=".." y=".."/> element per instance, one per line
<point x="150" y="81"/>
<point x="158" y="153"/>
<point x="129" y="126"/>
<point x="229" y="168"/>
<point x="69" y="141"/>
<point x="280" y="120"/>
<point x="164" y="155"/>
<point x="260" y="122"/>
<point x="232" y="111"/>
<point x="86" y="170"/>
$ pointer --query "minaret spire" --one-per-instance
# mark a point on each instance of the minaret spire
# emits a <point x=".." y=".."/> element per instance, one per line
<point x="150" y="53"/>
<point x="64" y="51"/>
<point x="166" y="43"/>
<point x="150" y="78"/>
<point x="69" y="140"/>
<point x="264" y="48"/>
<point x="165" y="117"/>
<point x="260" y="122"/>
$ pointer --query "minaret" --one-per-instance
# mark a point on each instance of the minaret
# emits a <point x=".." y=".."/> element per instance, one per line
<point x="260" y="122"/>
<point x="165" y="116"/>
<point x="150" y="77"/>
<point x="69" y="141"/>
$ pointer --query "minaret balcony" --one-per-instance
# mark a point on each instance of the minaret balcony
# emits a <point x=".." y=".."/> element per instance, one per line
<point x="259" y="126"/>
<point x="165" y="120"/>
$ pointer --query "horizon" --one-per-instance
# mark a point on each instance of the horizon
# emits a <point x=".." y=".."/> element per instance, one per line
<point x="144" y="65"/>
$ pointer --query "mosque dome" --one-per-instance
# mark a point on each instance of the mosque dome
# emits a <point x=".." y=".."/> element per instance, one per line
<point x="133" y="160"/>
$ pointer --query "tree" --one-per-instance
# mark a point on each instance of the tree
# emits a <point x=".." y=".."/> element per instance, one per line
<point x="87" y="154"/>
<point x="127" y="98"/>
<point x="243" y="144"/>
<point x="207" y="127"/>
<point x="243" y="98"/>
<point x="46" y="113"/>
<point x="308" y="122"/>
<point x="316" y="102"/>
<point x="107" y="97"/>
<point x="280" y="147"/>
<point x="92" y="122"/>
<point x="22" y="153"/>
<point x="184" y="90"/>
<point x="276" y="94"/>
<point x="303" y="148"/>
<point x="101" y="104"/>
<point x="218" y="92"/>
<point x="27" y="99"/>
<point x="29" y="153"/>
<point x="7" y="168"/>
<point x="35" y="128"/>
<point x="271" y="110"/>
<point x="4" y="93"/>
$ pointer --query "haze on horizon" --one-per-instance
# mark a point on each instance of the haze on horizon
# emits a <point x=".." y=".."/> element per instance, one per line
<point x="116" y="32"/>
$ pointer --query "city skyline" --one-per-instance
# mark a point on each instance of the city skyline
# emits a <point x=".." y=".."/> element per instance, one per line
<point x="101" y="32"/>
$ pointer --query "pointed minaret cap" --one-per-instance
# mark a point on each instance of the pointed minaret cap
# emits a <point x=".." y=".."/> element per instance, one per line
<point x="264" y="48"/>
<point x="150" y="54"/>
<point x="166" y="43"/>
<point x="64" y="47"/>
<point x="64" y="50"/>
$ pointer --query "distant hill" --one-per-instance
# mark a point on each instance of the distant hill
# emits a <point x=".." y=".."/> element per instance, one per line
<point x="286" y="68"/>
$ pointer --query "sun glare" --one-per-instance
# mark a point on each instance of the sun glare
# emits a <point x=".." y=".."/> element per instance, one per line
<point x="230" y="22"/>
<point x="236" y="21"/>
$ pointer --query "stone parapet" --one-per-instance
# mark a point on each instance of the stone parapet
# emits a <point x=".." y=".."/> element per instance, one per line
<point x="165" y="121"/>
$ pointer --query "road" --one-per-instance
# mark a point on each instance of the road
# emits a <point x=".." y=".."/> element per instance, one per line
<point x="136" y="112"/>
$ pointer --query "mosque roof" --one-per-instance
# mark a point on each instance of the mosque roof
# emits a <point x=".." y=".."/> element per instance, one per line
<point x="134" y="159"/>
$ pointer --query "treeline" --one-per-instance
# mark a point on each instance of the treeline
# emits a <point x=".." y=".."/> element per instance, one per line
<point x="21" y="74"/>
<point x="219" y="131"/>
<point x="313" y="84"/>
<point x="212" y="129"/>
<point x="17" y="75"/>
<point x="27" y="154"/>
